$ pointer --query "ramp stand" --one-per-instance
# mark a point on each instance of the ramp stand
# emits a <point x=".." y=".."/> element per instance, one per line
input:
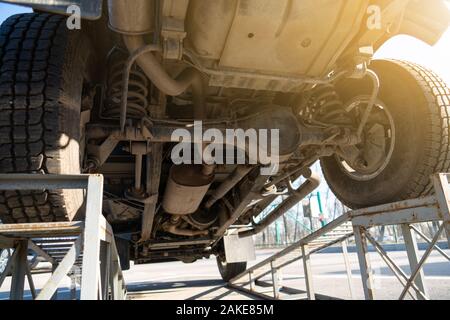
<point x="84" y="250"/>
<point x="357" y="224"/>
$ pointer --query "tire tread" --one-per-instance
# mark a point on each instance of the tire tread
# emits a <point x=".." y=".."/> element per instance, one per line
<point x="32" y="47"/>
<point x="437" y="94"/>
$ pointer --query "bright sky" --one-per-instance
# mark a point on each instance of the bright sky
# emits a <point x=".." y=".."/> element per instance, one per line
<point x="436" y="57"/>
<point x="7" y="10"/>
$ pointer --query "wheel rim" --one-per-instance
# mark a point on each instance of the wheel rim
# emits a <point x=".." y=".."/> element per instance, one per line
<point x="375" y="151"/>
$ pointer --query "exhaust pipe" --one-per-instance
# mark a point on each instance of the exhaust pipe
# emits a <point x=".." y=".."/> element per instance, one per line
<point x="134" y="19"/>
<point x="311" y="183"/>
<point x="239" y="173"/>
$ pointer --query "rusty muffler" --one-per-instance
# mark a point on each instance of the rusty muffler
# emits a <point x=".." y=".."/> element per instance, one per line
<point x="186" y="188"/>
<point x="132" y="17"/>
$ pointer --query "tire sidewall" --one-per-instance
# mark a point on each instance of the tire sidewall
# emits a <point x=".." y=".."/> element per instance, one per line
<point x="78" y="65"/>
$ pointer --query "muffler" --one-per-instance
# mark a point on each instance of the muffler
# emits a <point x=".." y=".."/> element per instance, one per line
<point x="132" y="17"/>
<point x="186" y="188"/>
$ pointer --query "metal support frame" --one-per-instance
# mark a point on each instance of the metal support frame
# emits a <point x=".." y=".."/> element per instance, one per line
<point x="357" y="224"/>
<point x="275" y="281"/>
<point x="308" y="273"/>
<point x="412" y="251"/>
<point x="87" y="245"/>
<point x="19" y="271"/>
<point x="348" y="268"/>
<point x="364" y="262"/>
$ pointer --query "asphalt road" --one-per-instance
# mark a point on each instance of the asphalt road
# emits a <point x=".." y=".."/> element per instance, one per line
<point x="201" y="280"/>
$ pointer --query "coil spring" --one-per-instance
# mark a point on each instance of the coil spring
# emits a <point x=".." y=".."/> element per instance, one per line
<point x="327" y="104"/>
<point x="137" y="99"/>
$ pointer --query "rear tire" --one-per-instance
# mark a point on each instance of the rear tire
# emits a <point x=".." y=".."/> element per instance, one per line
<point x="43" y="69"/>
<point x="230" y="270"/>
<point x="419" y="103"/>
<point x="5" y="255"/>
<point x="123" y="249"/>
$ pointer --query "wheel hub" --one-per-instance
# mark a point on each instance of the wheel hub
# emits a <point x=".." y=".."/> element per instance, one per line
<point x="370" y="157"/>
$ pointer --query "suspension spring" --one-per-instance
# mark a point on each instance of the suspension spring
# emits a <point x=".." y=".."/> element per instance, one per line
<point x="138" y="90"/>
<point x="328" y="104"/>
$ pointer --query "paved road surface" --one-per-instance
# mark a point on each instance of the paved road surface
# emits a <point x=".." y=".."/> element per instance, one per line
<point x="201" y="280"/>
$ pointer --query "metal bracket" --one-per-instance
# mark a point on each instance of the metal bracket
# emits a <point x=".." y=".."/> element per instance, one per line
<point x="173" y="32"/>
<point x="246" y="247"/>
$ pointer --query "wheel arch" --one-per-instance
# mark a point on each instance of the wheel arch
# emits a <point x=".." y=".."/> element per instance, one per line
<point x="426" y="23"/>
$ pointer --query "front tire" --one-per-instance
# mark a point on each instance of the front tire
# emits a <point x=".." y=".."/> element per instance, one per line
<point x="43" y="71"/>
<point x="419" y="103"/>
<point x="230" y="270"/>
<point x="5" y="255"/>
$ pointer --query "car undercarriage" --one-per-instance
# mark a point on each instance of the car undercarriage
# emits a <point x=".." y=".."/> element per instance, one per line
<point x="113" y="96"/>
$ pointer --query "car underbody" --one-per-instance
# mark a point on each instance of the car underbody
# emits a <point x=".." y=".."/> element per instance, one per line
<point x="303" y="67"/>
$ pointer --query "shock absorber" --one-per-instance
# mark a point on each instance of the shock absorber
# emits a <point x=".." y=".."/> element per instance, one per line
<point x="137" y="107"/>
<point x="138" y="90"/>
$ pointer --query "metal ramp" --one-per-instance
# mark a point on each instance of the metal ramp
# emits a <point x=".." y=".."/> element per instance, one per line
<point x="357" y="224"/>
<point x="84" y="250"/>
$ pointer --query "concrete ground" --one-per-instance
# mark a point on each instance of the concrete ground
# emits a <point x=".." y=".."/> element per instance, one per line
<point x="201" y="280"/>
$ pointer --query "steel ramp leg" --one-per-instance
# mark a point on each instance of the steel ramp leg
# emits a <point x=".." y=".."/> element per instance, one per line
<point x="447" y="232"/>
<point x="398" y="272"/>
<point x="412" y="251"/>
<point x="308" y="273"/>
<point x="122" y="290"/>
<point x="55" y="295"/>
<point x="73" y="287"/>
<point x="275" y="281"/>
<point x="116" y="283"/>
<point x="442" y="190"/>
<point x="364" y="262"/>
<point x="114" y="278"/>
<point x="91" y="269"/>
<point x="418" y="268"/>
<point x="105" y="263"/>
<point x="348" y="268"/>
<point x="19" y="271"/>
<point x="251" y="281"/>
<point x="30" y="282"/>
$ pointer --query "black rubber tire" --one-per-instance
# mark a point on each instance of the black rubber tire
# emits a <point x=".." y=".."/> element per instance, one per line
<point x="43" y="67"/>
<point x="5" y="255"/>
<point x="123" y="249"/>
<point x="230" y="270"/>
<point x="419" y="102"/>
